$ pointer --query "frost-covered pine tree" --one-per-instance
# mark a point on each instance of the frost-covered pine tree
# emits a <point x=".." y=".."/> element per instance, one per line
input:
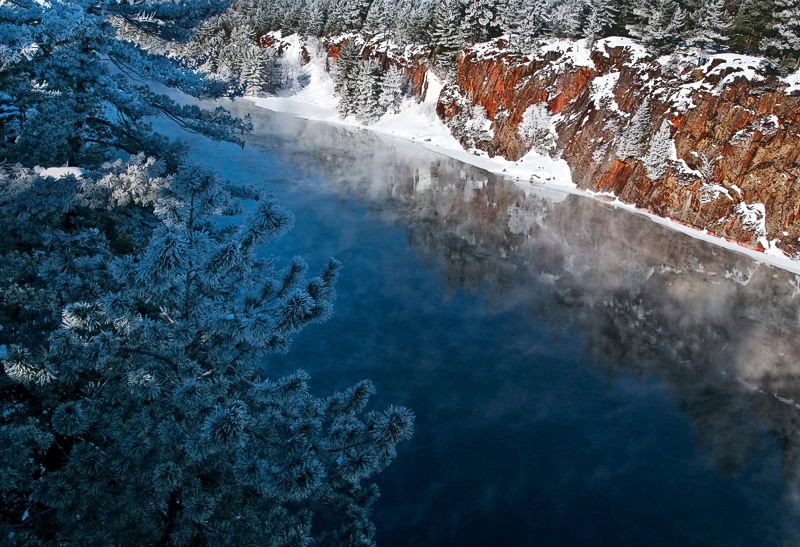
<point x="712" y="25"/>
<point x="252" y="77"/>
<point x="752" y="23"/>
<point x="413" y="21"/>
<point x="536" y="128"/>
<point x="345" y="82"/>
<point x="69" y="76"/>
<point x="524" y="22"/>
<point x="785" y="40"/>
<point x="379" y="18"/>
<point x="133" y="407"/>
<point x="602" y="16"/>
<point x="480" y="20"/>
<point x="565" y="18"/>
<point x="632" y="141"/>
<point x="659" y="24"/>
<point x="392" y="90"/>
<point x="448" y="34"/>
<point x="661" y="152"/>
<point x="317" y="17"/>
<point x="145" y="418"/>
<point x="347" y="15"/>
<point x="368" y="77"/>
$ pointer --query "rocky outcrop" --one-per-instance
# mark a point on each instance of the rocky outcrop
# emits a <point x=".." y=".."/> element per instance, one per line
<point x="715" y="144"/>
<point x="709" y="141"/>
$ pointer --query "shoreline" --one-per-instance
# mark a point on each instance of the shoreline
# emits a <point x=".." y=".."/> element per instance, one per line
<point x="531" y="171"/>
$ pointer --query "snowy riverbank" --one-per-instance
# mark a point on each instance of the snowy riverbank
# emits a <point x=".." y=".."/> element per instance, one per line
<point x="418" y="122"/>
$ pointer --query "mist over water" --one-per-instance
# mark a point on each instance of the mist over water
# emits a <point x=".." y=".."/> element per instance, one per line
<point x="580" y="374"/>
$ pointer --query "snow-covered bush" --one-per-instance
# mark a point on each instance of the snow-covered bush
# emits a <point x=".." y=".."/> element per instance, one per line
<point x="394" y="88"/>
<point x="536" y="128"/>
<point x="634" y="137"/>
<point x="661" y="152"/>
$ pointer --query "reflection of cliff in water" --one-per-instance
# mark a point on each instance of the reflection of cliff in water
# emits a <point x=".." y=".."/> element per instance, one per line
<point x="719" y="329"/>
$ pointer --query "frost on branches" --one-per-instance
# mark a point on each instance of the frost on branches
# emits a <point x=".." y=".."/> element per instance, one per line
<point x="133" y="406"/>
<point x="661" y="152"/>
<point x="68" y="95"/>
<point x="536" y="128"/>
<point x="145" y="418"/>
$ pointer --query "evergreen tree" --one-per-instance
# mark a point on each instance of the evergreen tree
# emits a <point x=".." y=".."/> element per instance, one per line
<point x="660" y="153"/>
<point x="448" y="33"/>
<point x="752" y="23"/>
<point x="378" y="19"/>
<point x="785" y="42"/>
<point x="536" y="128"/>
<point x="524" y="21"/>
<point x="712" y="25"/>
<point x="659" y="24"/>
<point x="345" y="83"/>
<point x="145" y="419"/>
<point x="260" y="70"/>
<point x="368" y="77"/>
<point x="509" y="18"/>
<point x="317" y="18"/>
<point x="133" y="410"/>
<point x="75" y="108"/>
<point x="348" y="15"/>
<point x="601" y="18"/>
<point x="414" y="21"/>
<point x="566" y="18"/>
<point x="480" y="20"/>
<point x="393" y="89"/>
<point x="634" y="137"/>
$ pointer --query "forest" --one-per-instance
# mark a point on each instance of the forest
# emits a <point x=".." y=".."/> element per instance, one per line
<point x="228" y="44"/>
<point x="769" y="28"/>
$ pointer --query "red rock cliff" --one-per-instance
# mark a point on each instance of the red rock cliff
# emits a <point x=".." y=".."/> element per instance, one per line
<point x="715" y="144"/>
<point x="707" y="141"/>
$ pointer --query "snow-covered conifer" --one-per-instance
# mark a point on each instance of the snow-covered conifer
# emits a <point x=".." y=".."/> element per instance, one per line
<point x="368" y="79"/>
<point x="632" y="141"/>
<point x="660" y="153"/>
<point x="659" y="24"/>
<point x="785" y="38"/>
<point x="524" y="21"/>
<point x="536" y="128"/>
<point x="448" y="34"/>
<point x="413" y="21"/>
<point x="146" y="417"/>
<point x="566" y="18"/>
<point x="480" y="20"/>
<point x="317" y="17"/>
<point x="712" y="25"/>
<point x="392" y="90"/>
<point x="602" y="16"/>
<point x="345" y="82"/>
<point x="379" y="18"/>
<point x="75" y="108"/>
<point x="134" y="409"/>
<point x="753" y="21"/>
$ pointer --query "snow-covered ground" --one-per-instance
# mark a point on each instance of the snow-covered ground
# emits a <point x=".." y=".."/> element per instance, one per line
<point x="418" y="122"/>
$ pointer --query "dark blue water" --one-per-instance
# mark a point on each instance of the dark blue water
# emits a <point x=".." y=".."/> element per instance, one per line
<point x="580" y="375"/>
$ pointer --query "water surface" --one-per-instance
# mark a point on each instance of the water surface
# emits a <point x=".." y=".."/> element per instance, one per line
<point x="580" y="374"/>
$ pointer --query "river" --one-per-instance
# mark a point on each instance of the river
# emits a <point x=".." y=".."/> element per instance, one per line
<point x="580" y="374"/>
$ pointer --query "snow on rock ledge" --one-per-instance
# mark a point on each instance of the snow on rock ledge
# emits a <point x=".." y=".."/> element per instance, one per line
<point x="724" y="125"/>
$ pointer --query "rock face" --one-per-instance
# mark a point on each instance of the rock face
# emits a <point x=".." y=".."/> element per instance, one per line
<point x="709" y="141"/>
<point x="705" y="141"/>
